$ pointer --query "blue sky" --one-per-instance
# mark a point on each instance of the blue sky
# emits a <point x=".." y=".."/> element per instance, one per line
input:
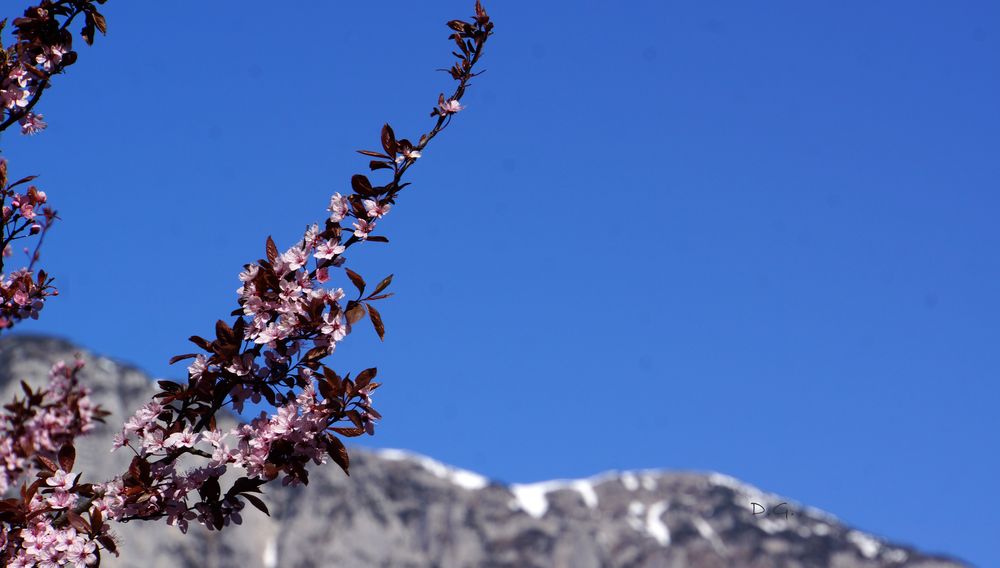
<point x="752" y="238"/>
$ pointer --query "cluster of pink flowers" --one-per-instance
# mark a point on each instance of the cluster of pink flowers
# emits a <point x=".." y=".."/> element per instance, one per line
<point x="22" y="292"/>
<point x="43" y="48"/>
<point x="43" y="421"/>
<point x="297" y="434"/>
<point x="297" y="308"/>
<point x="289" y="320"/>
<point x="44" y="546"/>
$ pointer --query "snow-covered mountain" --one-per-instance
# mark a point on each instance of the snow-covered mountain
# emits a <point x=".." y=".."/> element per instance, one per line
<point x="398" y="509"/>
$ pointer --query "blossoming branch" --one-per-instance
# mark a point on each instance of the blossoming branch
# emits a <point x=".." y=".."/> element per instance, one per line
<point x="289" y="320"/>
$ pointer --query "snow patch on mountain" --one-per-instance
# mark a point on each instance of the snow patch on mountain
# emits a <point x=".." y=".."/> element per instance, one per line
<point x="532" y="498"/>
<point x="461" y="477"/>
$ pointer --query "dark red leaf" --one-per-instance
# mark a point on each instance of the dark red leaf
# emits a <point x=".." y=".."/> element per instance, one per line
<point x="383" y="284"/>
<point x="388" y="140"/>
<point x="355" y="311"/>
<point x="271" y="250"/>
<point x="78" y="522"/>
<point x="361" y="184"/>
<point x="338" y="453"/>
<point x="376" y="321"/>
<point x="67" y="455"/>
<point x="177" y="358"/>
<point x="365" y="377"/>
<point x="256" y="502"/>
<point x="201" y="342"/>
<point x="349" y="432"/>
<point x="224" y="332"/>
<point x="100" y="22"/>
<point x="47" y="463"/>
<point x="356" y="279"/>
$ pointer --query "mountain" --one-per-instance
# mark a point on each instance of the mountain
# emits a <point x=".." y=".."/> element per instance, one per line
<point x="403" y="510"/>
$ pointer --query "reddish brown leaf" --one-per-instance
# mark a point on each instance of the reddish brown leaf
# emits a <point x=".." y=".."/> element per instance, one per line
<point x="338" y="453"/>
<point x="100" y="22"/>
<point x="78" y="522"/>
<point x="376" y="321"/>
<point x="169" y="386"/>
<point x="67" y="455"/>
<point x="365" y="377"/>
<point x="361" y="184"/>
<point x="177" y="358"/>
<point x="349" y="432"/>
<point x="355" y="312"/>
<point x="383" y="284"/>
<point x="47" y="463"/>
<point x="388" y="140"/>
<point x="356" y="279"/>
<point x="201" y="342"/>
<point x="256" y="502"/>
<point x="224" y="332"/>
<point x="271" y="250"/>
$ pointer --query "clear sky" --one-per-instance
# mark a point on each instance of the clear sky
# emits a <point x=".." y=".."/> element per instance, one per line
<point x="755" y="238"/>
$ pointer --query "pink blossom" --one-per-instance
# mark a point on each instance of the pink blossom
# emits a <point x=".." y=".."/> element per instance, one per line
<point x="152" y="442"/>
<point x="50" y="56"/>
<point x="334" y="296"/>
<point x="20" y="75"/>
<point x="368" y="423"/>
<point x="32" y="124"/>
<point x="267" y="335"/>
<point x="451" y="106"/>
<point x="295" y="258"/>
<point x="62" y="480"/>
<point x="198" y="367"/>
<point x="311" y="236"/>
<point x="21" y="298"/>
<point x="376" y="209"/>
<point x="335" y="326"/>
<point x="62" y="500"/>
<point x="81" y="553"/>
<point x="323" y="275"/>
<point x="178" y="515"/>
<point x="407" y="155"/>
<point x="363" y="228"/>
<point x="183" y="439"/>
<point x="338" y="208"/>
<point x="328" y="249"/>
<point x="28" y="211"/>
<point x="14" y="98"/>
<point x="250" y="273"/>
<point x="243" y="365"/>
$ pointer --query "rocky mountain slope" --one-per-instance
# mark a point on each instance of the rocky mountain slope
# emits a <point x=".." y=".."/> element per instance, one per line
<point x="403" y="510"/>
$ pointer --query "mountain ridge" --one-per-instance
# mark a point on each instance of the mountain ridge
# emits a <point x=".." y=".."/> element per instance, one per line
<point x="399" y="508"/>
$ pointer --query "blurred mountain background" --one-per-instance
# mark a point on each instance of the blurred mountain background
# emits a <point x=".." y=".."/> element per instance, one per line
<point x="399" y="509"/>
